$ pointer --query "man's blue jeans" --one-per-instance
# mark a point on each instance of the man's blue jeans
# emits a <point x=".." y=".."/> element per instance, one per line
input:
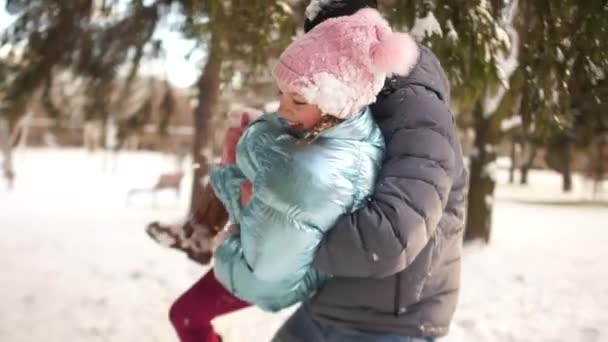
<point x="301" y="327"/>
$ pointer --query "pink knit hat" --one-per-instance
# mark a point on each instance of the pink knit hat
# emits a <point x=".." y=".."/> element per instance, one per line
<point x="341" y="64"/>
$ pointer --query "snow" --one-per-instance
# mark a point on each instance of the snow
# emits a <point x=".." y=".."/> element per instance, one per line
<point x="334" y="95"/>
<point x="506" y="64"/>
<point x="474" y="152"/>
<point x="483" y="9"/>
<point x="559" y="54"/>
<point x="502" y="36"/>
<point x="487" y="54"/>
<point x="165" y="239"/>
<point x="285" y="7"/>
<point x="489" y="200"/>
<point x="490" y="170"/>
<point x="271" y="107"/>
<point x="510" y="123"/>
<point x="426" y="26"/>
<point x="233" y="117"/>
<point x="480" y="12"/>
<point x="313" y="9"/>
<point x="77" y="265"/>
<point x="452" y="34"/>
<point x="598" y="72"/>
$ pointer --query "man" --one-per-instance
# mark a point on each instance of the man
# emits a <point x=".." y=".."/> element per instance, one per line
<point x="396" y="261"/>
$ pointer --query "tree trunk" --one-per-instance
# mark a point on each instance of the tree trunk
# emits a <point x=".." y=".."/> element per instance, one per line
<point x="567" y="167"/>
<point x="208" y="94"/>
<point x="599" y="167"/>
<point x="524" y="175"/>
<point x="527" y="165"/>
<point x="7" y="152"/>
<point x="481" y="182"/>
<point x="513" y="162"/>
<point x="21" y="132"/>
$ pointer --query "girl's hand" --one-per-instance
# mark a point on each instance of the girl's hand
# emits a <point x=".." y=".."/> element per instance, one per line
<point x="233" y="134"/>
<point x="246" y="192"/>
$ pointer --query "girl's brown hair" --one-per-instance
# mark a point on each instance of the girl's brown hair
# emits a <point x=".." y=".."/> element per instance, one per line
<point x="327" y="122"/>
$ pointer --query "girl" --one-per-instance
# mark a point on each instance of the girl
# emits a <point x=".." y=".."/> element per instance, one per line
<point x="304" y="167"/>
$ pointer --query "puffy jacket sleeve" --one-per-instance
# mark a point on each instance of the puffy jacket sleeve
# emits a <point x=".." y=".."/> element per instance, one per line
<point x="278" y="260"/>
<point x="276" y="246"/>
<point x="227" y="181"/>
<point x="385" y="235"/>
<point x="234" y="273"/>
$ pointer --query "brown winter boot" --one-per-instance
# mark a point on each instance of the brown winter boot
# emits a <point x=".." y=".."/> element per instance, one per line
<point x="195" y="236"/>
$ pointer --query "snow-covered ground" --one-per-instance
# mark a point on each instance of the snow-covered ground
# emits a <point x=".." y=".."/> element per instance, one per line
<point x="75" y="264"/>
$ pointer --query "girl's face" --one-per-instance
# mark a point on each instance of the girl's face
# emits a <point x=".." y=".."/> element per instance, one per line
<point x="300" y="115"/>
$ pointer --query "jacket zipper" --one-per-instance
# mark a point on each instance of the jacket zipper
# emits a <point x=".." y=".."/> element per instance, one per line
<point x="397" y="306"/>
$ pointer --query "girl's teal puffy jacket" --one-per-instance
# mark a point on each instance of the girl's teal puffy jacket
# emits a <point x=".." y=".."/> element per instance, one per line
<point x="299" y="191"/>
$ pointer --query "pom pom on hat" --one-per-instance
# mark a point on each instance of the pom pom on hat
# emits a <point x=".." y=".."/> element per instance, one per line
<point x="396" y="53"/>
